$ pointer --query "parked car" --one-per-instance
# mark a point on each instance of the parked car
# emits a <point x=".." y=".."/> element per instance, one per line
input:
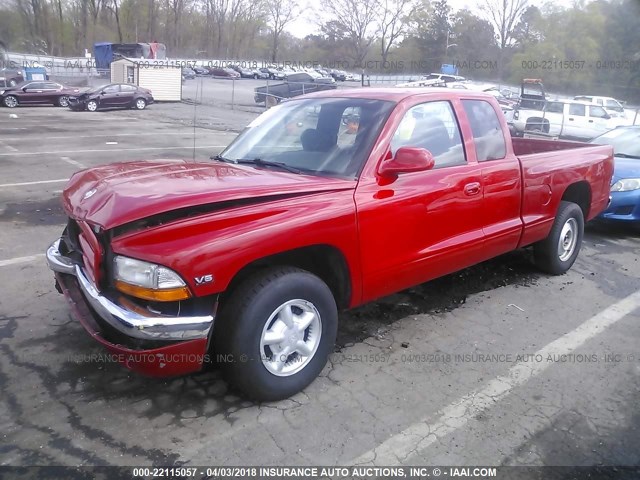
<point x="243" y="71"/>
<point x="201" y="71"/>
<point x="303" y="215"/>
<point x="611" y="105"/>
<point x="223" y="72"/>
<point x="37" y="92"/>
<point x="188" y="73"/>
<point x="625" y="185"/>
<point x="338" y="75"/>
<point x="569" y="119"/>
<point x="12" y="77"/>
<point x="115" y="95"/>
<point x="273" y="72"/>
<point x="295" y="84"/>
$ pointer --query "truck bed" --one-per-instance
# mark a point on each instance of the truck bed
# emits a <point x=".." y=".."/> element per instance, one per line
<point x="548" y="168"/>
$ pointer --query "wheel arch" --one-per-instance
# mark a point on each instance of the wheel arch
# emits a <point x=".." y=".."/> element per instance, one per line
<point x="580" y="194"/>
<point x="325" y="261"/>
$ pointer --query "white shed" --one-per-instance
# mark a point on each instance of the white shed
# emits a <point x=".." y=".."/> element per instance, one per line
<point x="163" y="79"/>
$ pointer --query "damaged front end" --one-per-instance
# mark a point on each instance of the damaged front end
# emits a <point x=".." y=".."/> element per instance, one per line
<point x="153" y="337"/>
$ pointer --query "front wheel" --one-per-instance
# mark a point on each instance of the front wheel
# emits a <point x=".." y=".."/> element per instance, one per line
<point x="140" y="104"/>
<point x="276" y="332"/>
<point x="92" y="105"/>
<point x="10" y="101"/>
<point x="63" y="101"/>
<point x="556" y="253"/>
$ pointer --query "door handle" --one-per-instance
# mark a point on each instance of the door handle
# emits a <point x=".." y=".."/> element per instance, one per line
<point x="590" y="121"/>
<point x="472" y="188"/>
<point x="571" y="119"/>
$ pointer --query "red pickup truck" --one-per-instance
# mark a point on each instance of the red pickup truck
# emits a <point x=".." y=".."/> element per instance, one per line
<point x="322" y="203"/>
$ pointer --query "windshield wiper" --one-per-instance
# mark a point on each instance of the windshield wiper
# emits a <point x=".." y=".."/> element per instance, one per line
<point x="259" y="162"/>
<point x="625" y="155"/>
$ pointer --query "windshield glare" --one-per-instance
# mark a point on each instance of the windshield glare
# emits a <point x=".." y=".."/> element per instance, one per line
<point x="623" y="140"/>
<point x="325" y="136"/>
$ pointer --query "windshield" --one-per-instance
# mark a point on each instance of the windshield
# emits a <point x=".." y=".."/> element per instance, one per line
<point x="324" y="136"/>
<point x="624" y="141"/>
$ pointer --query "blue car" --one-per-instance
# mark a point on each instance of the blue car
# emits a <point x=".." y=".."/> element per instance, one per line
<point x="625" y="186"/>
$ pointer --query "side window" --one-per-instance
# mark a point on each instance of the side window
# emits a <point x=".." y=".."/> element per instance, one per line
<point x="112" y="89"/>
<point x="577" y="109"/>
<point x="35" y="86"/>
<point x="127" y="88"/>
<point x="554" y="107"/>
<point x="597" y="112"/>
<point x="487" y="131"/>
<point x="432" y="126"/>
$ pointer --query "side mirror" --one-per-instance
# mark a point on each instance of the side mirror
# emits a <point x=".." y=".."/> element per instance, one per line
<point x="407" y="159"/>
<point x="607" y="116"/>
<point x="24" y="89"/>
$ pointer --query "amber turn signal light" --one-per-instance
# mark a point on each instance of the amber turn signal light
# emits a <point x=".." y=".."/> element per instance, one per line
<point x="168" y="295"/>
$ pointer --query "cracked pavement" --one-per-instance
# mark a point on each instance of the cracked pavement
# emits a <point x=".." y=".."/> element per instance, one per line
<point x="398" y="361"/>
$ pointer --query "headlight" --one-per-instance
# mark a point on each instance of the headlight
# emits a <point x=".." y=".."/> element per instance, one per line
<point x="148" y="280"/>
<point x="626" y="184"/>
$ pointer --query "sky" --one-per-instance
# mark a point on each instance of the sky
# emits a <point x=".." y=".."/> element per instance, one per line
<point x="305" y="25"/>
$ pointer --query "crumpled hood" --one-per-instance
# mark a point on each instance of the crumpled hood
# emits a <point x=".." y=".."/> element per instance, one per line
<point x="119" y="193"/>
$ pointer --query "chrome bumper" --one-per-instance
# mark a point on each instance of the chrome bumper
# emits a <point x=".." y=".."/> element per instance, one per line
<point x="132" y="324"/>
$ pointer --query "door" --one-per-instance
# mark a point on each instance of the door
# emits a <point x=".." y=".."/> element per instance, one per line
<point x="421" y="225"/>
<point x="110" y="96"/>
<point x="127" y="94"/>
<point x="598" y="121"/>
<point x="51" y="92"/>
<point x="501" y="179"/>
<point x="32" y="93"/>
<point x="576" y="121"/>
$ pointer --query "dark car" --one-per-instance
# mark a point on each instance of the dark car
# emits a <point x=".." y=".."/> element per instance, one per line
<point x="223" y="72"/>
<point x="116" y="95"/>
<point x="38" y="92"/>
<point x="244" y="71"/>
<point x="338" y="75"/>
<point x="296" y="84"/>
<point x="201" y="71"/>
<point x="12" y="77"/>
<point x="188" y="73"/>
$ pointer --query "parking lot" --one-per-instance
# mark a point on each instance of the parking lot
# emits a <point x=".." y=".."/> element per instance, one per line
<point x="496" y="365"/>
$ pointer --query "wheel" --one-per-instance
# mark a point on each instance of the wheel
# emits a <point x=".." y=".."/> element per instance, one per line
<point x="275" y="333"/>
<point x="92" y="105"/>
<point x="63" y="101"/>
<point x="255" y="76"/>
<point x="140" y="103"/>
<point x="271" y="101"/>
<point x="10" y="101"/>
<point x="556" y="253"/>
<point x="12" y="82"/>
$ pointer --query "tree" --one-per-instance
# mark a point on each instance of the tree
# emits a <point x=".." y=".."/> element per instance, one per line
<point x="280" y="13"/>
<point x="393" y="23"/>
<point x="357" y="19"/>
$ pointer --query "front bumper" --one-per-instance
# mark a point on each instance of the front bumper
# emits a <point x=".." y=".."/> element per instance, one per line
<point x="179" y="343"/>
<point x="624" y="207"/>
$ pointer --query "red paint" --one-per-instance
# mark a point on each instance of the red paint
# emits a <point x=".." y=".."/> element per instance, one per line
<point x="175" y="359"/>
<point x="394" y="231"/>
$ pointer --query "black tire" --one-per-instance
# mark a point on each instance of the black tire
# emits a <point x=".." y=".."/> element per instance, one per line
<point x="553" y="254"/>
<point x="10" y="101"/>
<point x="13" y="82"/>
<point x="246" y="316"/>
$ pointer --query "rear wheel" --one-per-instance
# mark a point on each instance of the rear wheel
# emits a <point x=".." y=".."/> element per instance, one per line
<point x="276" y="332"/>
<point x="140" y="103"/>
<point x="63" y="101"/>
<point x="92" y="105"/>
<point x="10" y="101"/>
<point x="556" y="253"/>
<point x="13" y="82"/>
